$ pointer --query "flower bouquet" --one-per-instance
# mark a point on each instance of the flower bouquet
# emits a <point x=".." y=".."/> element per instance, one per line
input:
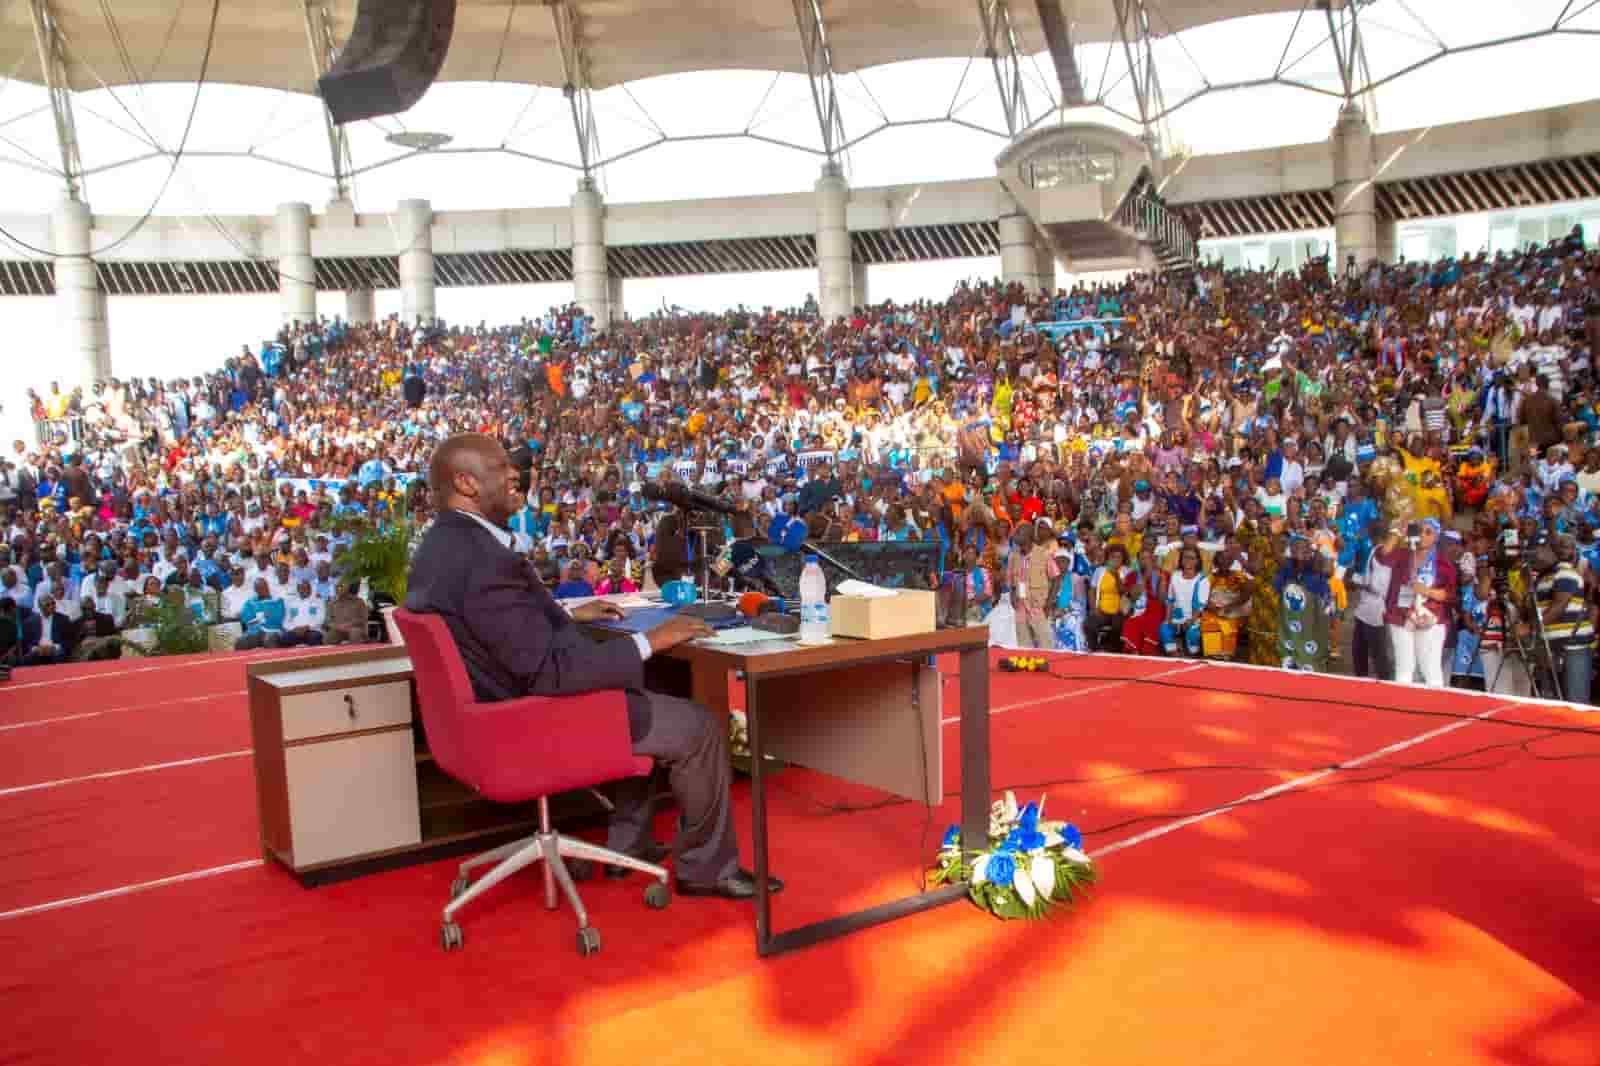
<point x="1030" y="864"/>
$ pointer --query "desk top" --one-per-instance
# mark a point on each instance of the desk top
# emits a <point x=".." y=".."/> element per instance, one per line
<point x="368" y="665"/>
<point x="785" y="655"/>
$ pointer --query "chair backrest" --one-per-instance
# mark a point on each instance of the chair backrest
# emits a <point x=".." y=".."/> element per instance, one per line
<point x="444" y="692"/>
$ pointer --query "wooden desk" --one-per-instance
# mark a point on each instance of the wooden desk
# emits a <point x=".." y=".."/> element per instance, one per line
<point x="826" y="708"/>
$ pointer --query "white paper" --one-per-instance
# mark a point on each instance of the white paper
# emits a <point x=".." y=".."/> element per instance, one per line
<point x="741" y="635"/>
<point x="861" y="588"/>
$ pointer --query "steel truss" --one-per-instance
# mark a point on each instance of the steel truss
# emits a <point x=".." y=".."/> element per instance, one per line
<point x="580" y="97"/>
<point x="819" y="71"/>
<point x="53" y="61"/>
<point x="319" y="35"/>
<point x="1000" y="46"/>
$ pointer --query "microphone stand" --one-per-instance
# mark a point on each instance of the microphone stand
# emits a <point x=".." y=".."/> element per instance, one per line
<point x="811" y="548"/>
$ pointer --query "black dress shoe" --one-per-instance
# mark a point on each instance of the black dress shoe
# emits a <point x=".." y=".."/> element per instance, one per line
<point x="654" y="852"/>
<point x="741" y="884"/>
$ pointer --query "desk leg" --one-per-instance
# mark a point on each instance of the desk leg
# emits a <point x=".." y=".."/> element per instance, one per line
<point x="758" y="816"/>
<point x="975" y="786"/>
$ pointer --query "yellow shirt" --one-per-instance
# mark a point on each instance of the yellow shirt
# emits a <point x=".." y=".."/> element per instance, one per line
<point x="1109" y="595"/>
<point x="1132" y="541"/>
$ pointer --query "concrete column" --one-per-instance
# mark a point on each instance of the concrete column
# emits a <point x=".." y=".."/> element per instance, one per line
<point x="614" y="297"/>
<point x="1388" y="240"/>
<point x="1355" y="200"/>
<point x="590" y="278"/>
<point x="414" y="234"/>
<point x="860" y="290"/>
<point x="1046" y="258"/>
<point x="80" y="302"/>
<point x="835" y="272"/>
<point x="360" y="308"/>
<point x="297" y="271"/>
<point x="1019" y="259"/>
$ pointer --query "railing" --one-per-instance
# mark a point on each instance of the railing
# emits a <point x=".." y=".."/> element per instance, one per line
<point x="1152" y="221"/>
<point x="46" y="430"/>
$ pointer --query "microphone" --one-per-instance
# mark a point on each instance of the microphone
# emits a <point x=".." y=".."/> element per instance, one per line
<point x="687" y="498"/>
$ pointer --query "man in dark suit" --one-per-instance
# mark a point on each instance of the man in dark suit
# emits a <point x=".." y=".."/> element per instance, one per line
<point x="515" y="640"/>
<point x="48" y="635"/>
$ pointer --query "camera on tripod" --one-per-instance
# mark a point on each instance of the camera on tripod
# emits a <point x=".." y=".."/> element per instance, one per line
<point x="1507" y="551"/>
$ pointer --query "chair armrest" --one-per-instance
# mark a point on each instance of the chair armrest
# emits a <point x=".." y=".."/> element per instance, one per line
<point x="540" y="745"/>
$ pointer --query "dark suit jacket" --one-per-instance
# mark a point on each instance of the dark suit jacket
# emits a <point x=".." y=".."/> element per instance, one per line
<point x="62" y="633"/>
<point x="513" y="637"/>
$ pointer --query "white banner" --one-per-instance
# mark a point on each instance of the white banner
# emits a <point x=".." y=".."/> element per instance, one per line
<point x="313" y="485"/>
<point x="806" y="460"/>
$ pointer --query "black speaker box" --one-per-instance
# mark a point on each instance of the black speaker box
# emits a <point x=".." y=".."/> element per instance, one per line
<point x="395" y="50"/>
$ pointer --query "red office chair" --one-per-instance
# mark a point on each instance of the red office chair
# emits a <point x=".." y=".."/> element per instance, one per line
<point x="517" y="750"/>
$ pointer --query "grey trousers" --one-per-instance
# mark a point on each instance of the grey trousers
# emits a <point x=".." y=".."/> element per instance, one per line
<point x="693" y="744"/>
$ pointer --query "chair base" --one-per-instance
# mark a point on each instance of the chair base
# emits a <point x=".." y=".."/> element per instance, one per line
<point x="551" y="848"/>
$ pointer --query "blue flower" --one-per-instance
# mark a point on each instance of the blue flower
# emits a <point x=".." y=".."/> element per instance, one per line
<point x="1012" y="841"/>
<point x="1029" y="817"/>
<point x="1071" y="837"/>
<point x="952" y="837"/>
<point x="1029" y="839"/>
<point x="1001" y="869"/>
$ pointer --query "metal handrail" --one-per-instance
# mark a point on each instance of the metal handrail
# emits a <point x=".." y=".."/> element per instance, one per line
<point x="1152" y="221"/>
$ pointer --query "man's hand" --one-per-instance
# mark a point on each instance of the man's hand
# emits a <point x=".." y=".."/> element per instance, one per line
<point x="675" y="631"/>
<point x="597" y="611"/>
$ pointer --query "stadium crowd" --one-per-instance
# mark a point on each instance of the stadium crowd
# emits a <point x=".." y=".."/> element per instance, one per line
<point x="1392" y="473"/>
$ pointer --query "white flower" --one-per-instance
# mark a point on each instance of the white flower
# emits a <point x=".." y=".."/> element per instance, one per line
<point x="1023" y="884"/>
<point x="980" y="870"/>
<point x="1052" y="839"/>
<point x="1010" y="806"/>
<point x="1074" y="855"/>
<point x="1044" y="875"/>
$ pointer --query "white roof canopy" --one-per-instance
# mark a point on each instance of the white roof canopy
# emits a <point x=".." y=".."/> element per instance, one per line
<point x="265" y="43"/>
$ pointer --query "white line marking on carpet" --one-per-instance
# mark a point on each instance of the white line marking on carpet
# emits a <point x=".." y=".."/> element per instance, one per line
<point x="121" y="773"/>
<point x="1289" y="786"/>
<point x="120" y="710"/>
<point x="72" y="901"/>
<point x="1080" y="692"/>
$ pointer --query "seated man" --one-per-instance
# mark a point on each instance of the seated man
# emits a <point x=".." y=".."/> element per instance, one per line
<point x="306" y="614"/>
<point x="347" y="616"/>
<point x="262" y="616"/>
<point x="47" y="635"/>
<point x="517" y="641"/>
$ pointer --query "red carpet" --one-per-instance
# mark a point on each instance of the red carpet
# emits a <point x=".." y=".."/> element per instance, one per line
<point x="1438" y="903"/>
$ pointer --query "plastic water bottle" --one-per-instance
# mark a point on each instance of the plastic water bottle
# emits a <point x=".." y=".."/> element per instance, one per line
<point x="814" y="628"/>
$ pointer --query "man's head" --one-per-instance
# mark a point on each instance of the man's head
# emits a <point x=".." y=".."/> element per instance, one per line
<point x="471" y="472"/>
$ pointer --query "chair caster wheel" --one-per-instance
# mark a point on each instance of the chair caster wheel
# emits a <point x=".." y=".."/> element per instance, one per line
<point x="580" y="869"/>
<point x="450" y="936"/>
<point x="458" y="887"/>
<point x="588" y="941"/>
<point x="657" y="896"/>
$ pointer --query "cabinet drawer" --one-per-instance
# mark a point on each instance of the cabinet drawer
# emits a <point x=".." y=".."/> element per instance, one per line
<point x="352" y="796"/>
<point x="336" y="711"/>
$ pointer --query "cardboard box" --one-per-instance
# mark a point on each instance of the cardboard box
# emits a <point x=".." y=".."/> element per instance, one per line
<point x="873" y="617"/>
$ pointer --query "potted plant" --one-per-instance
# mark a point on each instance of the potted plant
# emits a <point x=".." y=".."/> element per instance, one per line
<point x="380" y="555"/>
<point x="168" y="627"/>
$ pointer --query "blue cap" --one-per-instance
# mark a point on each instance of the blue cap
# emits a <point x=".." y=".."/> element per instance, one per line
<point x="810" y="559"/>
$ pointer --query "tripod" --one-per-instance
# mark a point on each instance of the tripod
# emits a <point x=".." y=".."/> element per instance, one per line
<point x="1544" y="676"/>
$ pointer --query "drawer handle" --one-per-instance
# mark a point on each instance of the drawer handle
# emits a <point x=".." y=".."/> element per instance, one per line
<point x="350" y="705"/>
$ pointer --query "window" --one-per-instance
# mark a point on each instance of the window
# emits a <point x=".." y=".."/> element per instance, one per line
<point x="1070" y="163"/>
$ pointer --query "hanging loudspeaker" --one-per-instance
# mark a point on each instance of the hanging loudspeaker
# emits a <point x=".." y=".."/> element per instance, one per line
<point x="395" y="50"/>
